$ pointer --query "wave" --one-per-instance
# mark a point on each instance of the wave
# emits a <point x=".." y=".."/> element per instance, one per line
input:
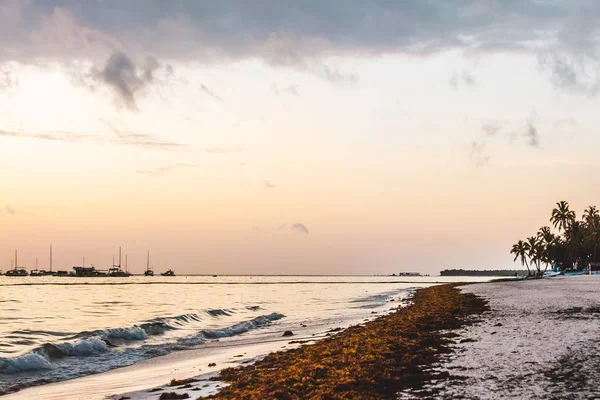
<point x="26" y="362"/>
<point x="114" y="345"/>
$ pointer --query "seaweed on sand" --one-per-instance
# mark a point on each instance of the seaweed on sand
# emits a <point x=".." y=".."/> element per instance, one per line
<point x="372" y="361"/>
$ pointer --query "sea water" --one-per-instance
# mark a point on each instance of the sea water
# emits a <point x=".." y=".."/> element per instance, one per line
<point x="58" y="328"/>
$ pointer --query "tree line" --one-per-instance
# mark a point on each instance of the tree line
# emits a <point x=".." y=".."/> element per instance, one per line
<point x="573" y="247"/>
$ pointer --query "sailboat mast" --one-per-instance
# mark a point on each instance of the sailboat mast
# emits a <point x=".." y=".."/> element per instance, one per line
<point x="119" y="256"/>
<point x="50" y="257"/>
<point x="125" y="262"/>
<point x="16" y="260"/>
<point x="148" y="262"/>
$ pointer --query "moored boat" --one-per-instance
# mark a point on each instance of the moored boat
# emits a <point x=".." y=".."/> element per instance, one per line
<point x="116" y="271"/>
<point x="149" y="271"/>
<point x="16" y="270"/>
<point x="168" y="273"/>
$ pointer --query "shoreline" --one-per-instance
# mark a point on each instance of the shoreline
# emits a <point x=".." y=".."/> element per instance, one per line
<point x="225" y="352"/>
<point x="499" y="339"/>
<point x="372" y="360"/>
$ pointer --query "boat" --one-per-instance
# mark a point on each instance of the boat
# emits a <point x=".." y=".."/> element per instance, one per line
<point x="84" y="272"/>
<point x="16" y="271"/>
<point x="168" y="273"/>
<point x="116" y="271"/>
<point x="36" y="271"/>
<point x="575" y="272"/>
<point x="42" y="272"/>
<point x="553" y="273"/>
<point x="149" y="271"/>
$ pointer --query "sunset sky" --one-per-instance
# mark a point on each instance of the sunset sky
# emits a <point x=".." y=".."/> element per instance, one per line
<point x="286" y="137"/>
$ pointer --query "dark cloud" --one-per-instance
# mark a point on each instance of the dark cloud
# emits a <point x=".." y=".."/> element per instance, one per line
<point x="304" y="35"/>
<point x="532" y="135"/>
<point x="167" y="168"/>
<point x="572" y="73"/>
<point x="121" y="74"/>
<point x="299" y="228"/>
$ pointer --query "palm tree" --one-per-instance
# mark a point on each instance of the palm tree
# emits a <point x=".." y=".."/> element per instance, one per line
<point x="521" y="250"/>
<point x="546" y="235"/>
<point x="591" y="216"/>
<point x="593" y="238"/>
<point x="534" y="252"/>
<point x="562" y="215"/>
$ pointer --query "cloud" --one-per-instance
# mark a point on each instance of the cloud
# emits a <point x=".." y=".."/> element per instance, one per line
<point x="126" y="80"/>
<point x="140" y="140"/>
<point x="301" y="35"/>
<point x="8" y="80"/>
<point x="269" y="185"/>
<point x="207" y="91"/>
<point x="491" y="128"/>
<point x="299" y="228"/>
<point x="565" y="122"/>
<point x="10" y="210"/>
<point x="221" y="150"/>
<point x="478" y="154"/>
<point x="287" y="90"/>
<point x="163" y="170"/>
<point x="532" y="135"/>
<point x="572" y="73"/>
<point x="464" y="78"/>
<point x="479" y="149"/>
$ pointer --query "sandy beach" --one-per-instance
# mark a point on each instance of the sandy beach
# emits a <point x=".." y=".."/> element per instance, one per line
<point x="538" y="341"/>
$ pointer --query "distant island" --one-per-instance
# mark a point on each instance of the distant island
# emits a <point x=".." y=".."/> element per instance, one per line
<point x="474" y="272"/>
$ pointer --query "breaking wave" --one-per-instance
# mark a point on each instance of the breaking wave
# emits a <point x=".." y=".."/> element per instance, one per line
<point x="111" y="348"/>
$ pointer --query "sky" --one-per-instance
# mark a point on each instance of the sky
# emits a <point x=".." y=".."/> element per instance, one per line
<point x="293" y="137"/>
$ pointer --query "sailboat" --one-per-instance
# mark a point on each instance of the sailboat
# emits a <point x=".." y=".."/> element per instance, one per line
<point x="149" y="271"/>
<point x="16" y="271"/>
<point x="36" y="271"/>
<point x="116" y="270"/>
<point x="42" y="272"/>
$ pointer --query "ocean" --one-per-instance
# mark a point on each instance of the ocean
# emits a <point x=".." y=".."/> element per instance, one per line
<point x="54" y="329"/>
